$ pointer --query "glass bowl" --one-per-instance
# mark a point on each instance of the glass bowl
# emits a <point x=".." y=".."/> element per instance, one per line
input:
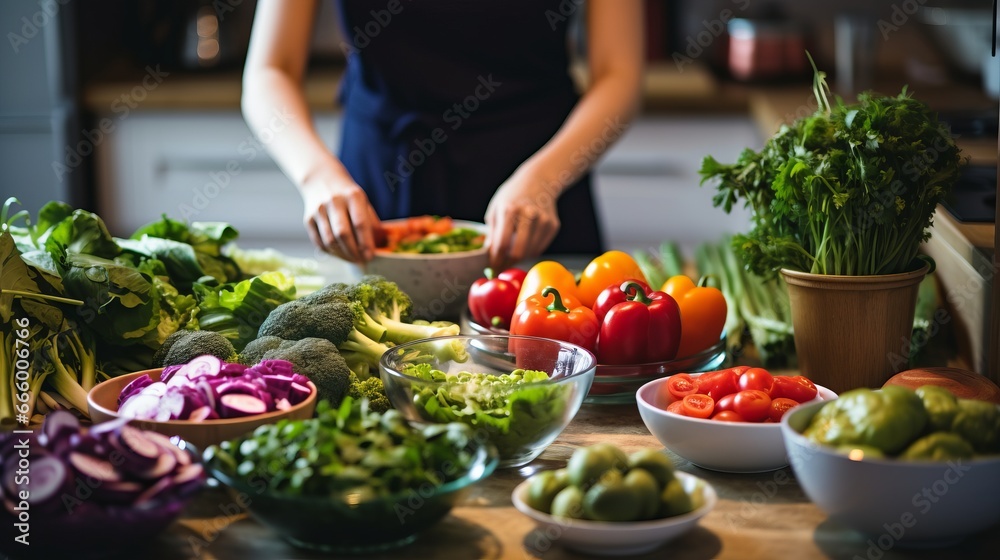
<point x="617" y="384"/>
<point x="346" y="525"/>
<point x="520" y="419"/>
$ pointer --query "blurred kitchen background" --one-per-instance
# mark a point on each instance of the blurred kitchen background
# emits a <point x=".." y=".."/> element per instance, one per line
<point x="131" y="108"/>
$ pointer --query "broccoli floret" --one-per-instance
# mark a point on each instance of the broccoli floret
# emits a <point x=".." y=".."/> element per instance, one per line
<point x="319" y="360"/>
<point x="337" y="321"/>
<point x="298" y="319"/>
<point x="372" y="389"/>
<point x="390" y="307"/>
<point x="185" y="345"/>
<point x="254" y="351"/>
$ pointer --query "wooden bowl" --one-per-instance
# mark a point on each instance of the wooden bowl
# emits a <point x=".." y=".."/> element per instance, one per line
<point x="102" y="402"/>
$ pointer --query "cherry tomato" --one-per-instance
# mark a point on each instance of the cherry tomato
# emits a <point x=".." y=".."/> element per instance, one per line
<point x="718" y="384"/>
<point x="740" y="370"/>
<point x="725" y="403"/>
<point x="753" y="405"/>
<point x="679" y="386"/>
<point x="756" y="378"/>
<point x="798" y="388"/>
<point x="677" y="407"/>
<point x="698" y="406"/>
<point x="727" y="416"/>
<point x="780" y="406"/>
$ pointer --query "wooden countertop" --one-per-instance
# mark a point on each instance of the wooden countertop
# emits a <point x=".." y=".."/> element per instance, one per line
<point x="758" y="516"/>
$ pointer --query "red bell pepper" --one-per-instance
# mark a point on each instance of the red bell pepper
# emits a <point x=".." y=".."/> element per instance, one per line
<point x="515" y="276"/>
<point x="645" y="328"/>
<point x="555" y="320"/>
<point x="613" y="295"/>
<point x="492" y="300"/>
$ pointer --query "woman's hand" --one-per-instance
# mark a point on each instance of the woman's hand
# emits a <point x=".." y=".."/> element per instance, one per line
<point x="521" y="219"/>
<point x="339" y="218"/>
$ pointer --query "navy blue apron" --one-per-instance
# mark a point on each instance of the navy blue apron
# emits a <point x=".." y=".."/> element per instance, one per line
<point x="443" y="99"/>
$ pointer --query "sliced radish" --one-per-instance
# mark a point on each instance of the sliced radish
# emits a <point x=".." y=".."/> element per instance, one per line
<point x="140" y="407"/>
<point x="165" y="463"/>
<point x="188" y="473"/>
<point x="136" y="441"/>
<point x="232" y="369"/>
<point x="278" y="385"/>
<point x="298" y="393"/>
<point x="94" y="467"/>
<point x="49" y="478"/>
<point x="149" y="494"/>
<point x="204" y="365"/>
<point x="235" y="405"/>
<point x="238" y="387"/>
<point x="123" y="492"/>
<point x="134" y="387"/>
<point x="201" y="413"/>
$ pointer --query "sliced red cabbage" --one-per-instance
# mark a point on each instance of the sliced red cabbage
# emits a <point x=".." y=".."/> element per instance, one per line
<point x="298" y="393"/>
<point x="235" y="405"/>
<point x="203" y="365"/>
<point x="232" y="369"/>
<point x="169" y="372"/>
<point x="94" y="467"/>
<point x="134" y="386"/>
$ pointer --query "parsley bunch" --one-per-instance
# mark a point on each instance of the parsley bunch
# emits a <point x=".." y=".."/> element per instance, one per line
<point x="848" y="190"/>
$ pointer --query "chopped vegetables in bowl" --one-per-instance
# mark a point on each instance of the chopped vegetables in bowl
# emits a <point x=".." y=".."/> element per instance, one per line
<point x="91" y="492"/>
<point x="520" y="392"/>
<point x="427" y="235"/>
<point x="352" y="480"/>
<point x="207" y="403"/>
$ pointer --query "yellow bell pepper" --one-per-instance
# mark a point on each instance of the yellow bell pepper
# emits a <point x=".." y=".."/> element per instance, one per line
<point x="545" y="274"/>
<point x="609" y="269"/>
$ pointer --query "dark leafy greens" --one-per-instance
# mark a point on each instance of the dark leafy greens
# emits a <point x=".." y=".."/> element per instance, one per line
<point x="850" y="189"/>
<point x="347" y="452"/>
<point x="94" y="305"/>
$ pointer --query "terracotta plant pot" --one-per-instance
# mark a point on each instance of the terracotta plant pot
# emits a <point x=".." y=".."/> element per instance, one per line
<point x="852" y="331"/>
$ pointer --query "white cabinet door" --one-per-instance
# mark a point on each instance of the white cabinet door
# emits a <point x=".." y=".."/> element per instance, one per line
<point x="647" y="185"/>
<point x="198" y="166"/>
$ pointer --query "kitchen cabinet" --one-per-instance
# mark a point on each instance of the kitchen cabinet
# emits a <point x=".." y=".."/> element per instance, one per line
<point x="206" y="165"/>
<point x="199" y="166"/>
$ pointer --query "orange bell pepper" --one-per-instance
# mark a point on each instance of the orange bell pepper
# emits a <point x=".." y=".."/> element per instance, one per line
<point x="548" y="273"/>
<point x="563" y="319"/>
<point x="609" y="269"/>
<point x="703" y="313"/>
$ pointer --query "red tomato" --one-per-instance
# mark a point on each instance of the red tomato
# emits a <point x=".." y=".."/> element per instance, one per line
<point x="679" y="386"/>
<point x="677" y="407"/>
<point x="780" y="406"/>
<point x="698" y="406"/>
<point x="756" y="378"/>
<point x="718" y="384"/>
<point x="753" y="405"/>
<point x="798" y="388"/>
<point x="740" y="370"/>
<point x="725" y="403"/>
<point x="728" y="416"/>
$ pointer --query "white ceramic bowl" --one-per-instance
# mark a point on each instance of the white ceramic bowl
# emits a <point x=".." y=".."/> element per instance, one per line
<point x="912" y="504"/>
<point x="616" y="539"/>
<point x="736" y="447"/>
<point x="437" y="283"/>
